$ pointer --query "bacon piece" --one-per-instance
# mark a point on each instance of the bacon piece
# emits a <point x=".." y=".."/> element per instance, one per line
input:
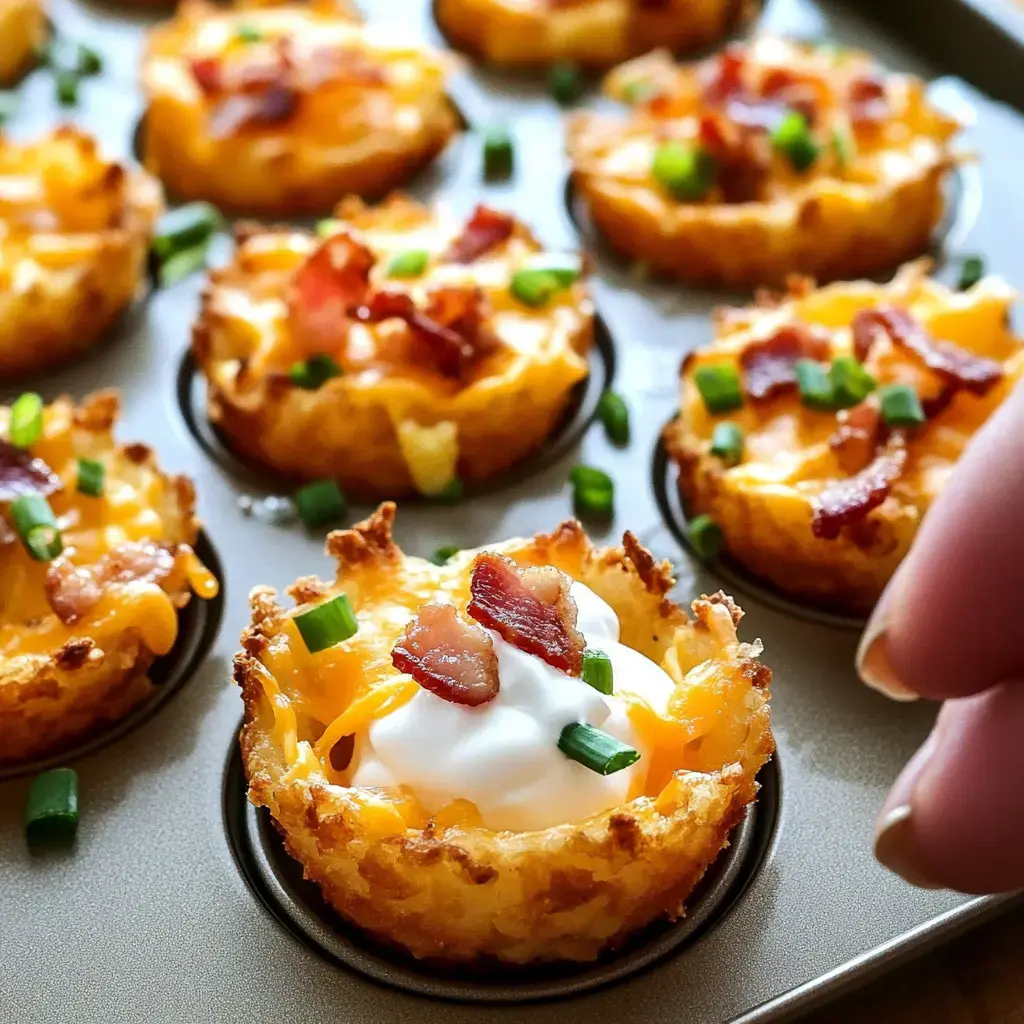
<point x="848" y="501"/>
<point x="74" y="590"/>
<point x="21" y="474"/>
<point x="208" y="73"/>
<point x="327" y="290"/>
<point x="448" y="656"/>
<point x="723" y="76"/>
<point x="769" y="365"/>
<point x="742" y="158"/>
<point x="869" y="103"/>
<point x="530" y="608"/>
<point x="485" y="230"/>
<point x="857" y="435"/>
<point x="953" y="366"/>
<point x="272" y="106"/>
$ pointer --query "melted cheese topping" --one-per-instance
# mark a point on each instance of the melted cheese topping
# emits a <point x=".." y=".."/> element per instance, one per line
<point x="136" y="505"/>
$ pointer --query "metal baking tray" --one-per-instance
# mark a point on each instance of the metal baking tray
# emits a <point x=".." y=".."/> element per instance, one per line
<point x="177" y="903"/>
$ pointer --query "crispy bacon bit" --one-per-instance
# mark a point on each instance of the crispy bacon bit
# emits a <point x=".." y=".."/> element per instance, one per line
<point x="954" y="366"/>
<point x="448" y="656"/>
<point x="21" y="474"/>
<point x="530" y="608"/>
<point x="485" y="230"/>
<point x="208" y="73"/>
<point x="723" y="76"/>
<point x="848" y="501"/>
<point x="869" y="103"/>
<point x="742" y="157"/>
<point x="327" y="290"/>
<point x="73" y="590"/>
<point x="271" y="106"/>
<point x="769" y="365"/>
<point x="857" y="435"/>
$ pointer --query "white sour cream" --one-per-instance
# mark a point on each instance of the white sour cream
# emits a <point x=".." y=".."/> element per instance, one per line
<point x="504" y="755"/>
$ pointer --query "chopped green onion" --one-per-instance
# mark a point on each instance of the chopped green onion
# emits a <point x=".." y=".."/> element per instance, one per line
<point x="320" y="502"/>
<point x="901" y="407"/>
<point x="187" y="226"/>
<point x="451" y="493"/>
<point x="410" y="263"/>
<point x="326" y="228"/>
<point x="543" y="278"/>
<point x="499" y="155"/>
<point x="8" y="105"/>
<point x="792" y="138"/>
<point x="249" y="34"/>
<point x="597" y="671"/>
<point x="36" y="525"/>
<point x="327" y="624"/>
<point x="181" y="265"/>
<point x="595" y="749"/>
<point x="89" y="62"/>
<point x="727" y="442"/>
<point x="706" y="537"/>
<point x="591" y="478"/>
<point x="972" y="270"/>
<point x="593" y="492"/>
<point x="51" y="814"/>
<point x="639" y="91"/>
<point x="613" y="413"/>
<point x="844" y="147"/>
<point x="92" y="476"/>
<point x="851" y="383"/>
<point x="719" y="386"/>
<point x="26" y="425"/>
<point x="71" y="58"/>
<point x="565" y="82"/>
<point x="443" y="554"/>
<point x="815" y="385"/>
<point x="313" y="372"/>
<point x="686" y="171"/>
<point x="67" y="88"/>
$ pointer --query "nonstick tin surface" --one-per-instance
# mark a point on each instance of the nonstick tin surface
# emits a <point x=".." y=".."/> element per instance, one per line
<point x="149" y="918"/>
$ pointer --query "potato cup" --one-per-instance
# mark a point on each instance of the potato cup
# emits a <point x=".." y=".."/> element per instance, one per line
<point x="595" y="33"/>
<point x="74" y="235"/>
<point x="285" y="110"/>
<point x="96" y="560"/>
<point x="766" y="160"/>
<point x="430" y="757"/>
<point x="22" y="30"/>
<point x="816" y="429"/>
<point x="403" y="353"/>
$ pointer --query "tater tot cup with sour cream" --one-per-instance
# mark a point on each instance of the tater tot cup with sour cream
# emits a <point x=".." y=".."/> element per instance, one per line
<point x="546" y="752"/>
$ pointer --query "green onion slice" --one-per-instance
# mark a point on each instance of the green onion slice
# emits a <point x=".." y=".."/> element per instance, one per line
<point x="8" y="105"/>
<point x="727" y="442"/>
<point x="706" y="537"/>
<point x="188" y="226"/>
<point x="67" y="88"/>
<point x="411" y="263"/>
<point x="597" y="671"/>
<point x="595" y="749"/>
<point x="182" y="265"/>
<point x="26" y="425"/>
<point x="51" y="814"/>
<point x="314" y="372"/>
<point x="320" y="502"/>
<point x="684" y="170"/>
<point x="326" y="228"/>
<point x="451" y="494"/>
<point x="614" y="416"/>
<point x="972" y="270"/>
<point x="815" y="385"/>
<point x="565" y="82"/>
<point x="444" y="554"/>
<point x="327" y="624"/>
<point x="639" y="91"/>
<point x="249" y="34"/>
<point x="792" y="138"/>
<point x="719" y="386"/>
<point x="851" y="383"/>
<point x="36" y="525"/>
<point x="543" y="278"/>
<point x="844" y="147"/>
<point x="593" y="492"/>
<point x="590" y="478"/>
<point x="499" y="153"/>
<point x="901" y="407"/>
<point x="92" y="476"/>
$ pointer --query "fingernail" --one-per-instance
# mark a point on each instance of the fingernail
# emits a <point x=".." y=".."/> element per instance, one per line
<point x="873" y="663"/>
<point x="895" y="844"/>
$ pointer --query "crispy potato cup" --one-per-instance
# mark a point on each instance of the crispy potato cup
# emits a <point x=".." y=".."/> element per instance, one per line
<point x="595" y="33"/>
<point x="444" y="886"/>
<point x="74" y="235"/>
<point x="766" y="160"/>
<point x="412" y="406"/>
<point x="285" y="110"/>
<point x="825" y="504"/>
<point x="22" y="29"/>
<point x="79" y="632"/>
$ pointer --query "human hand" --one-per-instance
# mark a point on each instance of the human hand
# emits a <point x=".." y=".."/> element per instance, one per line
<point x="950" y="626"/>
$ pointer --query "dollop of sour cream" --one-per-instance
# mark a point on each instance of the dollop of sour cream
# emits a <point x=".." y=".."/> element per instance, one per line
<point x="504" y="755"/>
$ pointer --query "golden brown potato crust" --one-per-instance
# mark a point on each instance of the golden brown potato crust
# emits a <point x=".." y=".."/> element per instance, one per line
<point x="380" y="426"/>
<point x="447" y="889"/>
<point x="22" y="29"/>
<point x="848" y="216"/>
<point x="365" y="113"/>
<point x="61" y="681"/>
<point x="595" y="33"/>
<point x="73" y="247"/>
<point x="765" y="504"/>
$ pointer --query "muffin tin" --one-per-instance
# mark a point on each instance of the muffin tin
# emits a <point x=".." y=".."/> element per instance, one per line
<point x="178" y="902"/>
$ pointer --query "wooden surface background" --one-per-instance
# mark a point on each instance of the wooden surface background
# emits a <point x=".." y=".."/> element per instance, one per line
<point x="976" y="979"/>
